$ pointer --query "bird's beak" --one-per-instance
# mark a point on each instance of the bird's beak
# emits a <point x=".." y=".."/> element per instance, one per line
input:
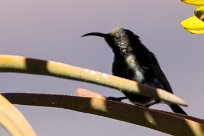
<point x="95" y="34"/>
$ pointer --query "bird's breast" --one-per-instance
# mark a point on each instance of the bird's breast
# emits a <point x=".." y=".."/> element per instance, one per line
<point x="135" y="67"/>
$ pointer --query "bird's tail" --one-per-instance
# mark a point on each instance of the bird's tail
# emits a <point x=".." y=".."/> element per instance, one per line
<point x="175" y="108"/>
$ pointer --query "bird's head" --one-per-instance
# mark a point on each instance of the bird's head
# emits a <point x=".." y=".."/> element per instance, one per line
<point x="120" y="39"/>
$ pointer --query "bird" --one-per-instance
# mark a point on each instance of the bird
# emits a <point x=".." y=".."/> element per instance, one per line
<point x="134" y="61"/>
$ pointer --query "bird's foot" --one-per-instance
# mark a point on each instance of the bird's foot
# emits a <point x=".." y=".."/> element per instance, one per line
<point x="151" y="103"/>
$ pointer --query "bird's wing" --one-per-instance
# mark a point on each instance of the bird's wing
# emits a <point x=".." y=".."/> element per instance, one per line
<point x="153" y="63"/>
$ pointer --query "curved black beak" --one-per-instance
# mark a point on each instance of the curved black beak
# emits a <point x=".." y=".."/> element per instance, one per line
<point x="95" y="34"/>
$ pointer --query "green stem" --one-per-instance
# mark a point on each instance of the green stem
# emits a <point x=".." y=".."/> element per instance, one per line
<point x="166" y="122"/>
<point x="10" y="63"/>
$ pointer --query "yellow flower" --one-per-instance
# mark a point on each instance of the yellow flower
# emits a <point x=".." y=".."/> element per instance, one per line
<point x="193" y="25"/>
<point x="194" y="2"/>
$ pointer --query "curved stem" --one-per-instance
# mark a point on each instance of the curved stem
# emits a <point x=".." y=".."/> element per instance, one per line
<point x="10" y="63"/>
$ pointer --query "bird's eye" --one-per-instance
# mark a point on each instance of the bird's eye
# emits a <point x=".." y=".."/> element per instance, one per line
<point x="118" y="36"/>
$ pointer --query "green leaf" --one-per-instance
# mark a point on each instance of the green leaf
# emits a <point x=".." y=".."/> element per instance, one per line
<point x="199" y="13"/>
<point x="13" y="120"/>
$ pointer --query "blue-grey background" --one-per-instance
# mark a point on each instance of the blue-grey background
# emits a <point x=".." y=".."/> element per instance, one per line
<point x="51" y="30"/>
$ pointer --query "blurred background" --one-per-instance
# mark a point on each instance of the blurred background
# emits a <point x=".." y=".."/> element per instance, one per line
<point x="51" y="30"/>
